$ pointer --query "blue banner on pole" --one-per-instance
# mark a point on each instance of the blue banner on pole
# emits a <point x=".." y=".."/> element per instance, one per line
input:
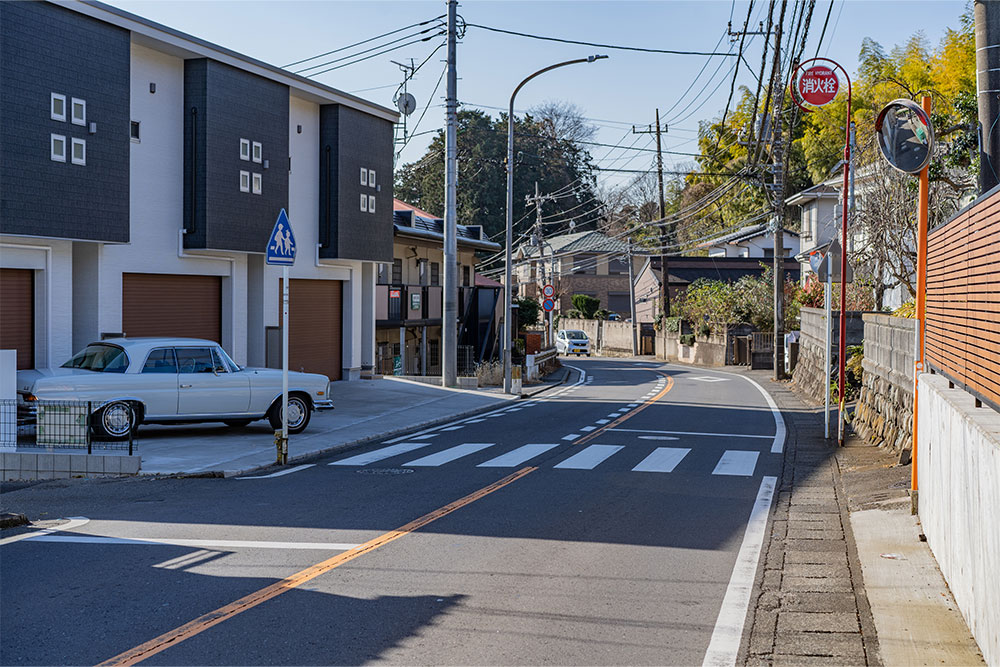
<point x="281" y="246"/>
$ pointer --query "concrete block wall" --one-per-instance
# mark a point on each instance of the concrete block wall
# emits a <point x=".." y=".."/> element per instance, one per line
<point x="958" y="452"/>
<point x="605" y="336"/>
<point x="46" y="465"/>
<point x="884" y="415"/>
<point x="808" y="376"/>
<point x="709" y="351"/>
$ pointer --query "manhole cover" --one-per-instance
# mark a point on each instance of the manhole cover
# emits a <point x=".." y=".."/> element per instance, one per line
<point x="385" y="471"/>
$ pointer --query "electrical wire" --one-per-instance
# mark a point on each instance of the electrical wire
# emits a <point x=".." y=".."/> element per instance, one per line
<point x="364" y="41"/>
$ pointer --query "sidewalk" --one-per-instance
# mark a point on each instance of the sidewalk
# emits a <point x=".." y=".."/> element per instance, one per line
<point x="844" y="578"/>
<point x="365" y="410"/>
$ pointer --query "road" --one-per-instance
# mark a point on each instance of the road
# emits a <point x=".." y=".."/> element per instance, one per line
<point x="604" y="522"/>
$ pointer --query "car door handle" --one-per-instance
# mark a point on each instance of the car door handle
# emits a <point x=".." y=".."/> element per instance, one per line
<point x="185" y="386"/>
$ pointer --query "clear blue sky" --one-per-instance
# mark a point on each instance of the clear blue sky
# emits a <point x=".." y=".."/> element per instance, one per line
<point x="618" y="92"/>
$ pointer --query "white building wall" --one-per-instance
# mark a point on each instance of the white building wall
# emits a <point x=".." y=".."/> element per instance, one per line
<point x="52" y="262"/>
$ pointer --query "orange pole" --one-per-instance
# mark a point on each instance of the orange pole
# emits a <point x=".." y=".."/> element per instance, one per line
<point x="921" y="305"/>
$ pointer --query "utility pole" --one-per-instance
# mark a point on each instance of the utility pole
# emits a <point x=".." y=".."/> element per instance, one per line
<point x="631" y="298"/>
<point x="663" y="240"/>
<point x="778" y="155"/>
<point x="449" y="328"/>
<point x="537" y="201"/>
<point x="987" y="18"/>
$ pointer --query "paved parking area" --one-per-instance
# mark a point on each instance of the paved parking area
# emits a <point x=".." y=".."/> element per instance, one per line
<point x="364" y="410"/>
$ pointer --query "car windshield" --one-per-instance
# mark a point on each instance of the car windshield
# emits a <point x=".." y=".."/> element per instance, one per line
<point x="100" y="358"/>
<point x="576" y="335"/>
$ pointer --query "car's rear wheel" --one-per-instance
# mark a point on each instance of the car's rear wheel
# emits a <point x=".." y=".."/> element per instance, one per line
<point x="116" y="420"/>
<point x="237" y="423"/>
<point x="298" y="414"/>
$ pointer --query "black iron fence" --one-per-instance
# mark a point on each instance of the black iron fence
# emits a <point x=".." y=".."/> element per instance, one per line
<point x="58" y="425"/>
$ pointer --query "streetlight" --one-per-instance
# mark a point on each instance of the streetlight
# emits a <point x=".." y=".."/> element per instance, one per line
<point x="510" y="213"/>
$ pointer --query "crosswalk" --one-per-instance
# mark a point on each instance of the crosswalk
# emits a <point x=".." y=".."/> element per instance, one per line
<point x="732" y="462"/>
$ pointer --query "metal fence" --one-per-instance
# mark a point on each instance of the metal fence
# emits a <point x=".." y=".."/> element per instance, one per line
<point x="57" y="425"/>
<point x="466" y="360"/>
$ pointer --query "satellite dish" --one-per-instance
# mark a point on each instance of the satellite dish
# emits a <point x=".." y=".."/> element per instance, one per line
<point x="406" y="104"/>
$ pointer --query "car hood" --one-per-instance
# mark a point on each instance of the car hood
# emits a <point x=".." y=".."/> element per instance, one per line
<point x="27" y="380"/>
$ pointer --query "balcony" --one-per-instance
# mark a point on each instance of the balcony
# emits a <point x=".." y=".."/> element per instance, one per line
<point x="414" y="305"/>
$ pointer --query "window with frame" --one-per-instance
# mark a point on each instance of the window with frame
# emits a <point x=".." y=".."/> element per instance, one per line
<point x="258" y="183"/>
<point x="364" y="203"/>
<point x="161" y="360"/>
<point x="257" y="153"/>
<point x="584" y="264"/>
<point x="364" y="176"/>
<point x="435" y="274"/>
<point x="245" y="149"/>
<point x="433" y="352"/>
<point x="57" y="107"/>
<point x="371" y="203"/>
<point x="57" y="148"/>
<point x="78" y="111"/>
<point x="133" y="131"/>
<point x="397" y="271"/>
<point x="371" y="178"/>
<point x="78" y="152"/>
<point x="195" y="360"/>
<point x="467" y="276"/>
<point x="617" y="266"/>
<point x="244" y="181"/>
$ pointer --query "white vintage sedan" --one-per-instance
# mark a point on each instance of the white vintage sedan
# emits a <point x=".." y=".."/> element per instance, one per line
<point x="131" y="381"/>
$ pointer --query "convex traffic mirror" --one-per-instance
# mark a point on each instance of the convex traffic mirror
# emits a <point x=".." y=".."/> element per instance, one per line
<point x="905" y="135"/>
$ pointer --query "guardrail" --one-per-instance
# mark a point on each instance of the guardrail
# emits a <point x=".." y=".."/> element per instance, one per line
<point x="58" y="425"/>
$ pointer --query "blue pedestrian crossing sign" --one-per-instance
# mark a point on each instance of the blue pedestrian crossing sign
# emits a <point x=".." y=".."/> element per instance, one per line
<point x="281" y="245"/>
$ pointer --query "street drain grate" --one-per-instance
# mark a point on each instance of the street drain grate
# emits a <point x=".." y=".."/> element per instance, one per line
<point x="385" y="471"/>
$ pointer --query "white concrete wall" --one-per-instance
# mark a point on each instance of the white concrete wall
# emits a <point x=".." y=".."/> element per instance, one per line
<point x="958" y="469"/>
<point x="52" y="262"/>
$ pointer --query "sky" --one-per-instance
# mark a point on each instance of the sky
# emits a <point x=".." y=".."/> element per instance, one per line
<point x="615" y="94"/>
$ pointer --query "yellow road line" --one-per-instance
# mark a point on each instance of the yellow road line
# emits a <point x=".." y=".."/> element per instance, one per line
<point x="205" y="621"/>
<point x="631" y="413"/>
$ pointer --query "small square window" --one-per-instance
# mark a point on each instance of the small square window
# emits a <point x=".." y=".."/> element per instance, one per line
<point x="244" y="149"/>
<point x="57" y="110"/>
<point x="258" y="152"/>
<point x="57" y="148"/>
<point x="79" y="151"/>
<point x="371" y="177"/>
<point x="79" y="111"/>
<point x="371" y="204"/>
<point x="133" y="131"/>
<point x="244" y="181"/>
<point x="364" y="202"/>
<point x="364" y="178"/>
<point x="258" y="183"/>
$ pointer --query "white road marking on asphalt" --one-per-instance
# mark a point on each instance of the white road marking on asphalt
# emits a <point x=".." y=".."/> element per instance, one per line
<point x="633" y="405"/>
<point x="725" y="642"/>
<point x="188" y="560"/>
<point x="73" y="522"/>
<point x="590" y="457"/>
<point x="663" y="459"/>
<point x="280" y="473"/>
<point x="624" y="410"/>
<point x="517" y="456"/>
<point x="709" y="378"/>
<point x="205" y="544"/>
<point x="452" y="428"/>
<point x="588" y="429"/>
<point x="779" y="422"/>
<point x="450" y="454"/>
<point x="737" y="462"/>
<point x="571" y="436"/>
<point x="380" y="454"/>
<point x="614" y="415"/>
<point x="719" y="435"/>
<point x="474" y="421"/>
<point x="657" y="437"/>
<point x="603" y="421"/>
<point x="428" y="436"/>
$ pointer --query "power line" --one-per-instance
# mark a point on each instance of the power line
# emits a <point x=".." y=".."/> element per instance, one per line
<point x="364" y="41"/>
<point x="595" y="44"/>
<point x="368" y="57"/>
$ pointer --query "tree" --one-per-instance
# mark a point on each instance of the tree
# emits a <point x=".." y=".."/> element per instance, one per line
<point x="547" y="151"/>
<point x="527" y="311"/>
<point x="587" y="305"/>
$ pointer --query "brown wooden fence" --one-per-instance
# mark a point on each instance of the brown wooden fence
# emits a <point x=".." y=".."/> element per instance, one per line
<point x="962" y="329"/>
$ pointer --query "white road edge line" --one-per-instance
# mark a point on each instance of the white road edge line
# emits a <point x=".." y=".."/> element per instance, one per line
<point x="201" y="544"/>
<point x="725" y="642"/>
<point x="779" y="422"/>
<point x="281" y="472"/>
<point x="73" y="522"/>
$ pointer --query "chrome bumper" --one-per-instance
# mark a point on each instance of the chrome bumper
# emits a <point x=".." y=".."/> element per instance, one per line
<point x="323" y="405"/>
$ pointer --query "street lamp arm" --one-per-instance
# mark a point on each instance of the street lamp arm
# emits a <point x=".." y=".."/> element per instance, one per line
<point x="588" y="59"/>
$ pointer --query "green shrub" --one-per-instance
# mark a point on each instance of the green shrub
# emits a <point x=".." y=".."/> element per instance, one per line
<point x="587" y="305"/>
<point x="671" y="324"/>
<point x="687" y="339"/>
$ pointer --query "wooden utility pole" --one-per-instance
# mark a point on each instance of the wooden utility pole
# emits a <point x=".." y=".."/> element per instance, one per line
<point x="664" y="237"/>
<point x="778" y="156"/>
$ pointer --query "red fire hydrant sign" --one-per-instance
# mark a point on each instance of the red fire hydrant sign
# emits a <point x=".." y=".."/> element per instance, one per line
<point x="818" y="85"/>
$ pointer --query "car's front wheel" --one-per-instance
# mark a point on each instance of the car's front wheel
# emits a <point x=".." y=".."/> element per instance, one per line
<point x="298" y="414"/>
<point x="116" y="420"/>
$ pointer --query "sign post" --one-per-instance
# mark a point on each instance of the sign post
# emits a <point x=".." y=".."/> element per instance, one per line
<point x="549" y="303"/>
<point x="281" y="251"/>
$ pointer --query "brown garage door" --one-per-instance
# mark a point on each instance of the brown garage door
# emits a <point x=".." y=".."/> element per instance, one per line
<point x="314" y="320"/>
<point x="17" y="323"/>
<point x="155" y="304"/>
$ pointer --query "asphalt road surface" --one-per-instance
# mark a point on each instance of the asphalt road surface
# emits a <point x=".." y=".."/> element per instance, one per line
<point x="614" y="520"/>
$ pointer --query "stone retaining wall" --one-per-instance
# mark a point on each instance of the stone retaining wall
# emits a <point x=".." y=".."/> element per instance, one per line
<point x="808" y="375"/>
<point x="884" y="415"/>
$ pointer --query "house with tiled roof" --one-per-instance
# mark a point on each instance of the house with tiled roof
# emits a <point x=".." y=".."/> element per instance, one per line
<point x="750" y="241"/>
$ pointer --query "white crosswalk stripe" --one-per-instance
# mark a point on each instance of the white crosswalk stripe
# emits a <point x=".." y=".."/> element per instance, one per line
<point x="450" y="454"/>
<point x="589" y="458"/>
<point x="379" y="454"/>
<point x="737" y="462"/>
<point x="517" y="456"/>
<point x="663" y="459"/>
